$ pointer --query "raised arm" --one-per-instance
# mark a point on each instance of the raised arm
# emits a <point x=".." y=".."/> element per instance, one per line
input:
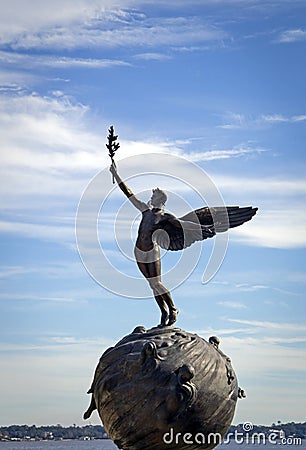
<point x="127" y="191"/>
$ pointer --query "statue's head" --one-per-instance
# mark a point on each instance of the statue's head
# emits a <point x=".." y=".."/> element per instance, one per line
<point x="158" y="198"/>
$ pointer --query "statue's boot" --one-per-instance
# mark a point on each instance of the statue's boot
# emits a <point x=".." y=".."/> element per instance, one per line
<point x="173" y="316"/>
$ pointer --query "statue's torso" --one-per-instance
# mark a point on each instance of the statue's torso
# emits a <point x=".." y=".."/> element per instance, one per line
<point x="149" y="223"/>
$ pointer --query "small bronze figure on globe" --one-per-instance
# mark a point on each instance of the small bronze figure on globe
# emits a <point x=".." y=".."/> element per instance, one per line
<point x="161" y="229"/>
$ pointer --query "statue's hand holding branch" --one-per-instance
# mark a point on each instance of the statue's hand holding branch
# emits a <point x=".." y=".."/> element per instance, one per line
<point x="113" y="169"/>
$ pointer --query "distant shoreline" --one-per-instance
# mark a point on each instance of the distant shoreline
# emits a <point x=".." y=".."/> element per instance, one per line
<point x="97" y="432"/>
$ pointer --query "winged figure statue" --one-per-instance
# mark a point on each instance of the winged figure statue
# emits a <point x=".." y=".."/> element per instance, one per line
<point x="161" y="229"/>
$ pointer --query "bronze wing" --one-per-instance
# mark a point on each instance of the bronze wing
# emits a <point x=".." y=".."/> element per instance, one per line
<point x="171" y="235"/>
<point x="221" y="217"/>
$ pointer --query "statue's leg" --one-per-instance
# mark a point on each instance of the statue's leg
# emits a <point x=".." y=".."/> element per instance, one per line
<point x="162" y="306"/>
<point x="151" y="269"/>
<point x="173" y="312"/>
<point x="160" y="301"/>
<point x="165" y="299"/>
<point x="173" y="316"/>
<point x="162" y="295"/>
<point x="148" y="269"/>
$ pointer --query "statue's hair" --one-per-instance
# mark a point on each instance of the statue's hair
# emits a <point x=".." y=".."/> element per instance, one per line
<point x="162" y="195"/>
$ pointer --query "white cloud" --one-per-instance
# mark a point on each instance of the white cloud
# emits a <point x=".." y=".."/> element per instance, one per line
<point x="300" y="118"/>
<point x="279" y="118"/>
<point x="275" y="229"/>
<point x="234" y="305"/>
<point x="236" y="121"/>
<point x="91" y="26"/>
<point x="224" y="331"/>
<point x="36" y="298"/>
<point x="152" y="56"/>
<point x="18" y="16"/>
<point x="44" y="140"/>
<point x="282" y="187"/>
<point x="289" y="36"/>
<point x="271" y="326"/>
<point x="279" y="222"/>
<point x="211" y="155"/>
<point x="250" y="288"/>
<point x="59" y="233"/>
<point x="37" y="62"/>
<point x="226" y="287"/>
<point x="12" y="271"/>
<point x="274" y="118"/>
<point x="15" y="80"/>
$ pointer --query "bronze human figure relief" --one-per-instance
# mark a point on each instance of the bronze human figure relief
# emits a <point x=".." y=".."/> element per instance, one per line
<point x="161" y="229"/>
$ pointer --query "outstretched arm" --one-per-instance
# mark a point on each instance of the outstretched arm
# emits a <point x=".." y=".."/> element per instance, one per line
<point x="127" y="191"/>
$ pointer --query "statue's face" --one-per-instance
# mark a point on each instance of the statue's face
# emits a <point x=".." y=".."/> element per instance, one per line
<point x="157" y="198"/>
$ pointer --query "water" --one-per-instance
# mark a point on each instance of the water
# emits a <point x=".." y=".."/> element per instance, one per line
<point x="109" y="445"/>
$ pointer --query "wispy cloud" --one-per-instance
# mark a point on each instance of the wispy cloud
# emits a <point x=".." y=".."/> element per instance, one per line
<point x="280" y="220"/>
<point x="279" y="118"/>
<point x="275" y="229"/>
<point x="115" y="28"/>
<point x="224" y="331"/>
<point x="37" y="298"/>
<point x="57" y="233"/>
<point x="152" y="56"/>
<point x="234" y="305"/>
<point x="40" y="61"/>
<point x="237" y="152"/>
<point x="223" y="287"/>
<point x="13" y="271"/>
<point x="251" y="288"/>
<point x="236" y="121"/>
<point x="17" y="17"/>
<point x="289" y="36"/>
<point x="44" y="139"/>
<point x="276" y="186"/>
<point x="268" y="325"/>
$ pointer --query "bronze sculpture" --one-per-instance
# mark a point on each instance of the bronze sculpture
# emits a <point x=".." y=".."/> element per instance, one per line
<point x="160" y="229"/>
<point x="166" y="388"/>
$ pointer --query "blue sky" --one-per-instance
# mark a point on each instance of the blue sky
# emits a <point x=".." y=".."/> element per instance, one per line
<point x="219" y="83"/>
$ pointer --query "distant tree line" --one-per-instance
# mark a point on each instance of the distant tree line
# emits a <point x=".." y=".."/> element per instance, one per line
<point x="98" y="432"/>
<point x="52" y="432"/>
